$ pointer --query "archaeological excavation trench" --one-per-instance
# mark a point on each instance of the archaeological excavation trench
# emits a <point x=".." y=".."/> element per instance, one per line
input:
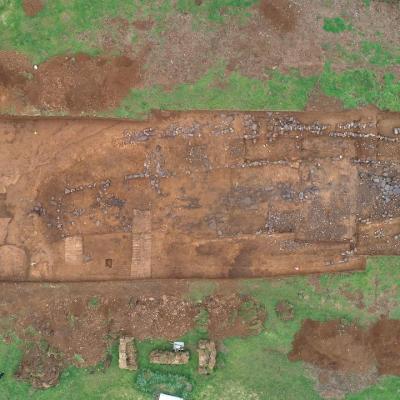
<point x="197" y="195"/>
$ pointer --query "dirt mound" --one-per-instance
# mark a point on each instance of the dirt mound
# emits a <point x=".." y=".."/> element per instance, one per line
<point x="234" y="315"/>
<point x="41" y="366"/>
<point x="281" y="14"/>
<point x="73" y="84"/>
<point x="32" y="7"/>
<point x="385" y="341"/>
<point x="333" y="345"/>
<point x="82" y="83"/>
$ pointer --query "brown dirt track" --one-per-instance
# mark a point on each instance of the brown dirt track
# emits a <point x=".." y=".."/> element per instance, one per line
<point x="197" y="195"/>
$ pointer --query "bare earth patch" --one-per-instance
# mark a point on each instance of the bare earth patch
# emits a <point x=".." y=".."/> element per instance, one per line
<point x="72" y="84"/>
<point x="280" y="13"/>
<point x="33" y="7"/>
<point x="346" y="358"/>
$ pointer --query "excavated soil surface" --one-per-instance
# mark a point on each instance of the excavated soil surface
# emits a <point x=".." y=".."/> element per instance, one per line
<point x="197" y="195"/>
<point x="72" y="84"/>
<point x="234" y="316"/>
<point x="336" y="346"/>
<point x="281" y="14"/>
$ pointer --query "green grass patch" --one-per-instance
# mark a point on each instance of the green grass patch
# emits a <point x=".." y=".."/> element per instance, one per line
<point x="378" y="55"/>
<point x="93" y="383"/>
<point x="215" y="10"/>
<point x="156" y="382"/>
<point x="199" y="290"/>
<point x="326" y="301"/>
<point x="249" y="370"/>
<point x="69" y="27"/>
<point x="62" y="27"/>
<point x="388" y="388"/>
<point x="361" y="87"/>
<point x="215" y="90"/>
<point x="336" y="25"/>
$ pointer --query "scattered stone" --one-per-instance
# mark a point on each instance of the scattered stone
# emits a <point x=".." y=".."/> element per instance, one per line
<point x="169" y="357"/>
<point x="127" y="354"/>
<point x="39" y="210"/>
<point x="41" y="366"/>
<point x="207" y="356"/>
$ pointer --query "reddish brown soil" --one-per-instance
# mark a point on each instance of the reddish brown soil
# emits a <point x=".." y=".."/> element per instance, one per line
<point x="336" y="346"/>
<point x="234" y="316"/>
<point x="197" y="195"/>
<point x="281" y="14"/>
<point x="318" y="101"/>
<point x="32" y="7"/>
<point x="85" y="318"/>
<point x="41" y="365"/>
<point x="82" y="83"/>
<point x="333" y="345"/>
<point x="385" y="342"/>
<point x="73" y="84"/>
<point x="144" y="24"/>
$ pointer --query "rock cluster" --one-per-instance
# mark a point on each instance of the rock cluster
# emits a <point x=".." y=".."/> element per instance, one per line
<point x="207" y="356"/>
<point x="127" y="354"/>
<point x="169" y="357"/>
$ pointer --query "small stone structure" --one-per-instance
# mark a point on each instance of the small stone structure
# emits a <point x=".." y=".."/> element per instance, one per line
<point x="169" y="357"/>
<point x="127" y="354"/>
<point x="207" y="356"/>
